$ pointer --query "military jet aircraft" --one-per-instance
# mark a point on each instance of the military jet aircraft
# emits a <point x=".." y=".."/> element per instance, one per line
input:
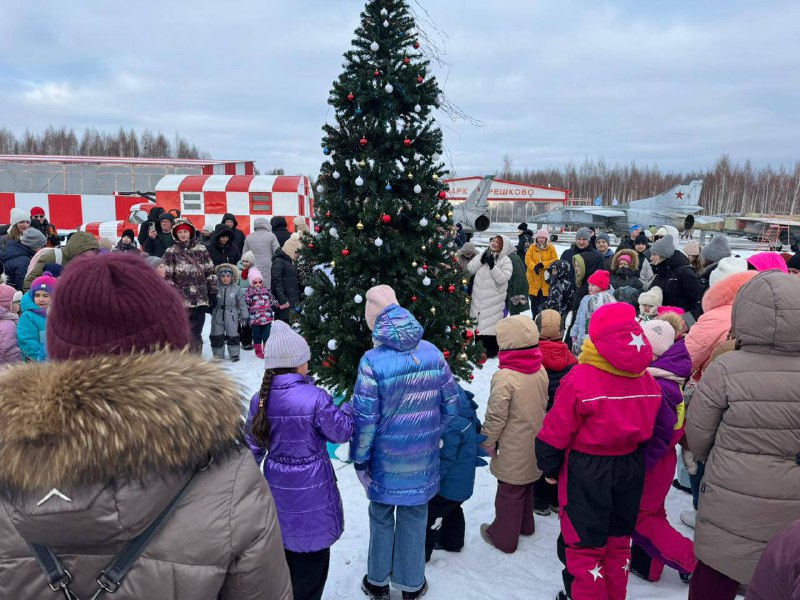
<point x="473" y="213"/>
<point x="678" y="206"/>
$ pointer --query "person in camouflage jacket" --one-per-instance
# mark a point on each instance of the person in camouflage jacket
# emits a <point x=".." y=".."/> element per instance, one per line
<point x="190" y="270"/>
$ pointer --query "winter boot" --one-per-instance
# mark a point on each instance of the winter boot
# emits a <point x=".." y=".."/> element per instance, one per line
<point x="418" y="594"/>
<point x="234" y="359"/>
<point x="259" y="350"/>
<point x="247" y="347"/>
<point x="375" y="592"/>
<point x="688" y="518"/>
<point x="562" y="595"/>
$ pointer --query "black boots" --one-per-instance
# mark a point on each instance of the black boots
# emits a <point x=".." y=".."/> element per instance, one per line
<point x="418" y="594"/>
<point x="375" y="592"/>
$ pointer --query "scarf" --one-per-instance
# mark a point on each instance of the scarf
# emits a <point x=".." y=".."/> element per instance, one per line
<point x="590" y="356"/>
<point x="527" y="360"/>
<point x="542" y="246"/>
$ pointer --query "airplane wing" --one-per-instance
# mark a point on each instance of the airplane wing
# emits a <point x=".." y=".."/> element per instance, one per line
<point x="770" y="221"/>
<point x="707" y="220"/>
<point x="678" y="212"/>
<point x="605" y="212"/>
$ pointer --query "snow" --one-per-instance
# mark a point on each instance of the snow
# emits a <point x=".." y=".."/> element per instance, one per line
<point x="479" y="570"/>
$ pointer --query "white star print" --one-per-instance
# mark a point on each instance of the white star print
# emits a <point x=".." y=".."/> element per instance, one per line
<point x="627" y="566"/>
<point x="638" y="341"/>
<point x="596" y="572"/>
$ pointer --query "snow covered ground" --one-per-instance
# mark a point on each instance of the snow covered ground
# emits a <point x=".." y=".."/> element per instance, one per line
<point x="479" y="571"/>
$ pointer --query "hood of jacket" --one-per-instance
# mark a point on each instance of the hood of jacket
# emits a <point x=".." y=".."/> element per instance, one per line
<point x="466" y="404"/>
<point x="592" y="260"/>
<point x="262" y="223"/>
<point x="80" y="242"/>
<point x="118" y="449"/>
<point x="27" y="303"/>
<point x="219" y="231"/>
<point x="631" y="253"/>
<point x="236" y="275"/>
<point x="675" y="360"/>
<point x="468" y="250"/>
<point x="15" y="250"/>
<point x="183" y="221"/>
<point x="397" y="329"/>
<point x="229" y="216"/>
<point x="724" y="293"/>
<point x="516" y="333"/>
<point x="559" y="270"/>
<point x="278" y="223"/>
<point x="678" y="259"/>
<point x="507" y="247"/>
<point x="556" y="356"/>
<point x="766" y="314"/>
<point x="7" y="315"/>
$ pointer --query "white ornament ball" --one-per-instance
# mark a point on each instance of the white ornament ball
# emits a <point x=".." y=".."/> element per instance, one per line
<point x="384" y="12"/>
<point x="378" y="242"/>
<point x="358" y="299"/>
<point x="320" y="188"/>
<point x="423" y="222"/>
<point x="426" y="281"/>
<point x="428" y="69"/>
<point x="308" y="291"/>
<point x="386" y="23"/>
<point x="389" y="88"/>
<point x="418" y="189"/>
<point x="374" y="46"/>
<point x="417" y="108"/>
<point x="443" y="219"/>
<point x="336" y="175"/>
<point x="417" y="156"/>
<point x="359" y="181"/>
<point x="332" y="344"/>
<point x="334" y="232"/>
<point x="436" y="157"/>
<point x="322" y="318"/>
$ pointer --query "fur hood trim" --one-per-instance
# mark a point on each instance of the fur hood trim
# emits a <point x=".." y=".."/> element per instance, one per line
<point x="237" y="276"/>
<point x="724" y="293"/>
<point x="631" y="253"/>
<point x="93" y="420"/>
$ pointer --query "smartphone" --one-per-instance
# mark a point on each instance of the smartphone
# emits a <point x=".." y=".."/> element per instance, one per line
<point x="152" y="226"/>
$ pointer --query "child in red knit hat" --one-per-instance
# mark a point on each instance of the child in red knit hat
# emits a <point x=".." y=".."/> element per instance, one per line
<point x="604" y="410"/>
<point x="599" y="295"/>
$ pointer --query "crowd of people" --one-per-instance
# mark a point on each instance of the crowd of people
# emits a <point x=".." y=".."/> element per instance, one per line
<point x="616" y="368"/>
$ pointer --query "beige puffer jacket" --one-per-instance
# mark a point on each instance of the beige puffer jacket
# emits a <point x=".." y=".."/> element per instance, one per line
<point x="117" y="437"/>
<point x="517" y="405"/>
<point x="489" y="288"/>
<point x="744" y="420"/>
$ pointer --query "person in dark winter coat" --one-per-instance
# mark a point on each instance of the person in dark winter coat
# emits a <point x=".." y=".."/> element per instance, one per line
<point x="645" y="270"/>
<point x="280" y="230"/>
<point x="460" y="237"/>
<point x="48" y="230"/>
<point x="624" y="268"/>
<point x="237" y="237"/>
<point x="629" y="295"/>
<point x="230" y="311"/>
<point x="458" y="457"/>
<point x="144" y="228"/>
<point x="603" y="245"/>
<point x="592" y="261"/>
<point x="777" y="575"/>
<point x="80" y="243"/>
<point x="629" y="241"/>
<point x="678" y="281"/>
<point x="17" y="256"/>
<point x="290" y="420"/>
<point x="222" y="249"/>
<point x="562" y="288"/>
<point x="127" y="243"/>
<point x="524" y="240"/>
<point x="160" y="238"/>
<point x="599" y="466"/>
<point x="558" y="361"/>
<point x="404" y="398"/>
<point x="285" y="283"/>
<point x="517" y="294"/>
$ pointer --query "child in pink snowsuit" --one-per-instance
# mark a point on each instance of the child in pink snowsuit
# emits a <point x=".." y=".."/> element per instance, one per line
<point x="590" y="442"/>
<point x="656" y="542"/>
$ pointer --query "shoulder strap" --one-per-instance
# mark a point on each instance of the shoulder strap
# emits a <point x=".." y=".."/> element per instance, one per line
<point x="110" y="578"/>
<point x="58" y="255"/>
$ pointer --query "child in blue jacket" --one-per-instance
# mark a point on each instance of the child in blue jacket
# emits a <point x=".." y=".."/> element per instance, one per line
<point x="31" y="328"/>
<point x="458" y="456"/>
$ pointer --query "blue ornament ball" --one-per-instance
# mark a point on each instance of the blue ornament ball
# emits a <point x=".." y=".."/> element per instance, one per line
<point x="359" y="112"/>
<point x="388" y="187"/>
<point x="326" y="150"/>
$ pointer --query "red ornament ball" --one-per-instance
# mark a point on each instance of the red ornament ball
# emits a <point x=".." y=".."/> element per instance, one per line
<point x="446" y="354"/>
<point x="483" y="358"/>
<point x="424" y="267"/>
<point x="345" y="252"/>
<point x="414" y="298"/>
<point x="420" y="79"/>
<point x="311" y="245"/>
<point x="442" y="195"/>
<point x="407" y="60"/>
<point x="328" y="214"/>
<point x="416" y="44"/>
<point x="441" y="288"/>
<point x="317" y="228"/>
<point x="471" y="377"/>
<point x="406" y="142"/>
<point x="351" y="97"/>
<point x="439" y="246"/>
<point x="363" y="142"/>
<point x="468" y="334"/>
<point x="377" y="73"/>
<point x="451" y="288"/>
<point x="386" y="219"/>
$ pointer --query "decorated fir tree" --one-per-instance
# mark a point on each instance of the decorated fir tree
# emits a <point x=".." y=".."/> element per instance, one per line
<point x="382" y="215"/>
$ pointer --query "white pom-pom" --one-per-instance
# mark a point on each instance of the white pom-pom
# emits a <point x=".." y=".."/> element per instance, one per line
<point x="374" y="46"/>
<point x="423" y="222"/>
<point x="308" y="291"/>
<point x="332" y="344"/>
<point x="389" y="88"/>
<point x="426" y="281"/>
<point x="334" y="232"/>
<point x="378" y="242"/>
<point x="336" y="175"/>
<point x="418" y="189"/>
<point x="417" y="108"/>
<point x="358" y="299"/>
<point x="359" y="181"/>
<point x="320" y="188"/>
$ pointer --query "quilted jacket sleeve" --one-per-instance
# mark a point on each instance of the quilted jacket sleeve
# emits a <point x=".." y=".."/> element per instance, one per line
<point x="28" y="338"/>
<point x="335" y="424"/>
<point x="700" y="341"/>
<point x="706" y="409"/>
<point x="497" y="410"/>
<point x="450" y="391"/>
<point x="563" y="420"/>
<point x="367" y="409"/>
<point x="503" y="270"/>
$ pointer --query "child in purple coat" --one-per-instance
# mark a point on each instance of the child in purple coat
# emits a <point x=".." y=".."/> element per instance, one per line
<point x="290" y="421"/>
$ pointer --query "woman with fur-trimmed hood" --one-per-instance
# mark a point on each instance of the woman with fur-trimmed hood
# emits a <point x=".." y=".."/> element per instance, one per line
<point x="91" y="452"/>
<point x="625" y="269"/>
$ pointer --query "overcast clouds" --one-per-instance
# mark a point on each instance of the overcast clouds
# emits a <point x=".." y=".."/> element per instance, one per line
<point x="676" y="83"/>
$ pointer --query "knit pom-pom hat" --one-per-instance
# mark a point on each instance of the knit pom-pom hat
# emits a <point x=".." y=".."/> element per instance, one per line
<point x="660" y="334"/>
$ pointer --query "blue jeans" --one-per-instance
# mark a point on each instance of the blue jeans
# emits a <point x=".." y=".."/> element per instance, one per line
<point x="696" y="480"/>
<point x="397" y="551"/>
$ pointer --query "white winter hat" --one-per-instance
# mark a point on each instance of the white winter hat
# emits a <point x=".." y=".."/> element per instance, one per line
<point x="652" y="297"/>
<point x="727" y="267"/>
<point x="19" y="216"/>
<point x="285" y="349"/>
<point x="660" y="334"/>
<point x="378" y="298"/>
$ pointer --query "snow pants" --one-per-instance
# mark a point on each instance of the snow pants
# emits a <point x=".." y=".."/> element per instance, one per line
<point x="655" y="542"/>
<point x="445" y="526"/>
<point x="197" y="319"/>
<point x="599" y="497"/>
<point x="224" y="330"/>
<point x="709" y="584"/>
<point x="513" y="507"/>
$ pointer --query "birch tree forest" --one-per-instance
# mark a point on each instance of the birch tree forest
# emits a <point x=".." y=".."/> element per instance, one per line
<point x="729" y="187"/>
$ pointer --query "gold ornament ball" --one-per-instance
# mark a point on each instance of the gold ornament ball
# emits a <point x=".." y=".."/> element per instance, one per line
<point x="466" y="300"/>
<point x="363" y="163"/>
<point x="333" y="263"/>
<point x="468" y="322"/>
<point x="462" y="356"/>
<point x="359" y="226"/>
<point x="433" y="309"/>
<point x="449" y="213"/>
<point x="414" y="264"/>
<point x="423" y="248"/>
<point x="464" y="282"/>
<point x="436" y="177"/>
<point x="411" y="176"/>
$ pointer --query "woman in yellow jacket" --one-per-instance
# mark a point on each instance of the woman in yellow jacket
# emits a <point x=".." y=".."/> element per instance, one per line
<point x="541" y="254"/>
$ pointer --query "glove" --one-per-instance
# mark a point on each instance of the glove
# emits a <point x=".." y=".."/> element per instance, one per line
<point x="538" y="268"/>
<point x="490" y="260"/>
<point x="689" y="461"/>
<point x="483" y="257"/>
<point x="212" y="302"/>
<point x="490" y="450"/>
<point x="364" y="478"/>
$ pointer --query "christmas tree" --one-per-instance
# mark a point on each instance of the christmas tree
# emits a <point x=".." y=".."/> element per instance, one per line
<point x="382" y="215"/>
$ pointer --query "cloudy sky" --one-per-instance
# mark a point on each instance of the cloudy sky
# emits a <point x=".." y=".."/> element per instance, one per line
<point x="676" y="83"/>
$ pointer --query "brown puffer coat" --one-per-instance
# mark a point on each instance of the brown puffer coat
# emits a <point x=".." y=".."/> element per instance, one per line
<point x="517" y="406"/>
<point x="119" y="436"/>
<point x="744" y="420"/>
